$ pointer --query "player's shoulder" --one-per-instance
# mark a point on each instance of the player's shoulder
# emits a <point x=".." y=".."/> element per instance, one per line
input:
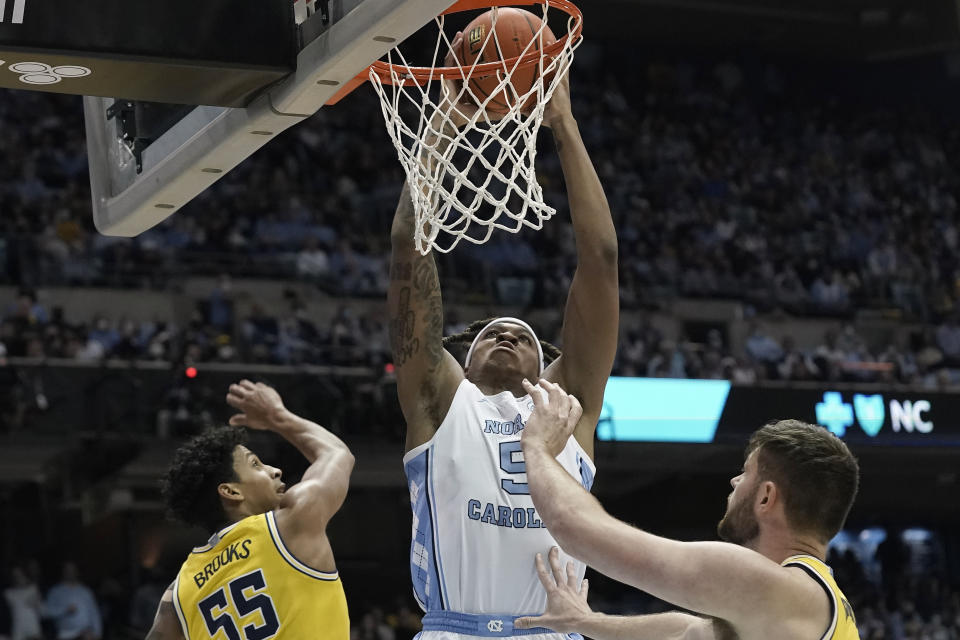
<point x="812" y="597"/>
<point x="810" y="572"/>
<point x="805" y="578"/>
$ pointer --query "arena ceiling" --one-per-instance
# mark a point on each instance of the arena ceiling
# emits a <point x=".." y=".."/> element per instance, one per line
<point x="851" y="29"/>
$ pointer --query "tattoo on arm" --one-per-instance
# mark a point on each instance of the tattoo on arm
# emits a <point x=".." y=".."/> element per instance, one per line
<point x="426" y="284"/>
<point x="403" y="323"/>
<point x="421" y="297"/>
<point x="400" y="271"/>
<point x="402" y="340"/>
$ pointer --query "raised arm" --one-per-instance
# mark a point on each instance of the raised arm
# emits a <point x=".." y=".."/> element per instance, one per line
<point x="716" y="579"/>
<point x="166" y="626"/>
<point x="308" y="506"/>
<point x="427" y="374"/>
<point x="592" y="317"/>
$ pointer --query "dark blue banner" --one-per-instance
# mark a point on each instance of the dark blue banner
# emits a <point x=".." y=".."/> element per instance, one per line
<point x="704" y="411"/>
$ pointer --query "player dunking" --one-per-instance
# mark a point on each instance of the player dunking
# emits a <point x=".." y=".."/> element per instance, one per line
<point x="268" y="571"/>
<point x="793" y="495"/>
<point x="474" y="525"/>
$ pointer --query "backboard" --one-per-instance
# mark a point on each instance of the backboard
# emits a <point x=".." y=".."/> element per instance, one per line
<point x="148" y="160"/>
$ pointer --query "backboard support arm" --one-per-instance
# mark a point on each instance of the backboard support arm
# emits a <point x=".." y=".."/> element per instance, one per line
<point x="210" y="141"/>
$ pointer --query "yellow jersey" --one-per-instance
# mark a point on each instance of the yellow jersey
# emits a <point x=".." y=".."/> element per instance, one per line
<point x="843" y="624"/>
<point x="244" y="584"/>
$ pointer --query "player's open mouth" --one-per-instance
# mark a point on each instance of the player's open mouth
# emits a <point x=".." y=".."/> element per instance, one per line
<point x="505" y="345"/>
<point x="282" y="488"/>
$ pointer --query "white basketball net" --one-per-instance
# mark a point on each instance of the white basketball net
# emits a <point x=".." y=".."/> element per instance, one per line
<point x="467" y="181"/>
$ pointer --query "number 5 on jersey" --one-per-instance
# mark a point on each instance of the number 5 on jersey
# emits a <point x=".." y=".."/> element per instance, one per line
<point x="249" y="595"/>
<point x="509" y="452"/>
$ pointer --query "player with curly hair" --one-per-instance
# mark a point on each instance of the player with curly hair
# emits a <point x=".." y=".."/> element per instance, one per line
<point x="268" y="571"/>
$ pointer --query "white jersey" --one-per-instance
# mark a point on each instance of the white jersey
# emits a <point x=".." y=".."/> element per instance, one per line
<point x="475" y="529"/>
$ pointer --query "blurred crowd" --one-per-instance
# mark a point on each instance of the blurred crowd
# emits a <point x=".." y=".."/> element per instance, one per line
<point x="921" y="355"/>
<point x="67" y="610"/>
<point x="724" y="180"/>
<point x="213" y="333"/>
<point x="926" y="356"/>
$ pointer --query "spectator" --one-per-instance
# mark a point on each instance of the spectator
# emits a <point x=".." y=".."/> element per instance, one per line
<point x="25" y="603"/>
<point x="104" y="333"/>
<point x="73" y="608"/>
<point x="13" y="404"/>
<point x="904" y="363"/>
<point x="948" y="340"/>
<point x="828" y="356"/>
<point x="219" y="312"/>
<point x="796" y="364"/>
<point x="761" y="347"/>
<point x="667" y="362"/>
<point x="143" y="605"/>
<point x="372" y="627"/>
<point x="830" y="294"/>
<point x="789" y="292"/>
<point x="312" y="261"/>
<point x="26" y="311"/>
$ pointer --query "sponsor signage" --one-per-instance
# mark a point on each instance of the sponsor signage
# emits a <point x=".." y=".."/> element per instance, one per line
<point x="704" y="411"/>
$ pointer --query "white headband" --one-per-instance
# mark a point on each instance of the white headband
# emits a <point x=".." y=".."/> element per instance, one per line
<point x="523" y="324"/>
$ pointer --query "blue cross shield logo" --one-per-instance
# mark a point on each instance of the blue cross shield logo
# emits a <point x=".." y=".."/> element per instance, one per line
<point x="870" y="413"/>
<point x="835" y="414"/>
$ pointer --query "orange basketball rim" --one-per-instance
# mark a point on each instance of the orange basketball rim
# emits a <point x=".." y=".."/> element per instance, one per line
<point x="390" y="73"/>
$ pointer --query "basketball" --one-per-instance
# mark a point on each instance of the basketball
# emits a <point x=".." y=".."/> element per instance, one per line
<point x="516" y="28"/>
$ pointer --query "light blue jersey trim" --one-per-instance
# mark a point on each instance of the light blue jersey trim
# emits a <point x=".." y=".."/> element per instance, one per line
<point x="424" y="574"/>
<point x="445" y="600"/>
<point x="586" y="471"/>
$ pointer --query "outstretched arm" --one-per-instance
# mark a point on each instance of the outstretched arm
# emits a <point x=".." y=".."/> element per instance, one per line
<point x="166" y="626"/>
<point x="592" y="316"/>
<point x="308" y="506"/>
<point x="568" y="612"/>
<point x="715" y="579"/>
<point x="427" y="374"/>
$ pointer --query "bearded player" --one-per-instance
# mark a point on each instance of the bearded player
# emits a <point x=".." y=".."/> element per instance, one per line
<point x="767" y="580"/>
